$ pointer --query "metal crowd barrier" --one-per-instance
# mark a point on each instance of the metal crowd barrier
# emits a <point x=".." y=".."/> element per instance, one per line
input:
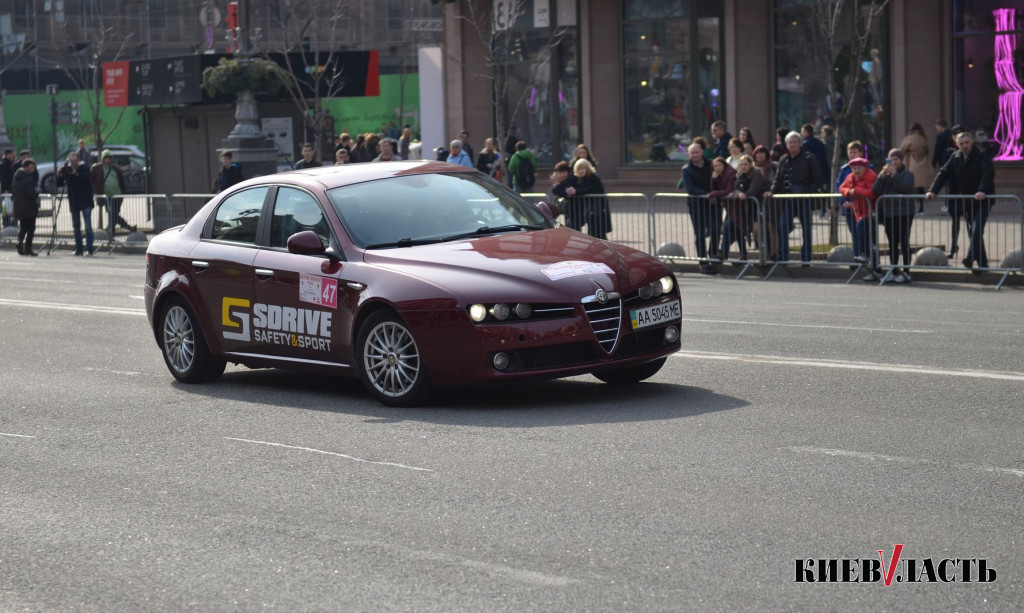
<point x="680" y="227"/>
<point x="630" y="216"/>
<point x="942" y="237"/>
<point x="146" y="213"/>
<point x="689" y="228"/>
<point x="817" y="234"/>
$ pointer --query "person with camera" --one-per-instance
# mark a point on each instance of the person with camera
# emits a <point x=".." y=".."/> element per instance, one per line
<point x="25" y="192"/>
<point x="75" y="176"/>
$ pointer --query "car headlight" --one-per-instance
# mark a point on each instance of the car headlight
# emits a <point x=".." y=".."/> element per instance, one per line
<point x="500" y="311"/>
<point x="666" y="283"/>
<point x="646" y="291"/>
<point x="523" y="310"/>
<point x="478" y="312"/>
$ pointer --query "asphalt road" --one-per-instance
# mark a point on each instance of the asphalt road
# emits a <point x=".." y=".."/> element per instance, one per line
<point x="804" y="420"/>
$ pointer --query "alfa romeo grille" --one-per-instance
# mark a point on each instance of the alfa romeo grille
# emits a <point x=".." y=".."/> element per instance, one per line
<point x="605" y="320"/>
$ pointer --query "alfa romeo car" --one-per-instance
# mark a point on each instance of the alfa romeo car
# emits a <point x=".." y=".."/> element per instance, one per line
<point x="408" y="275"/>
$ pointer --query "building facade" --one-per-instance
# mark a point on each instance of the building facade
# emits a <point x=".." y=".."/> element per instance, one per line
<point x="637" y="80"/>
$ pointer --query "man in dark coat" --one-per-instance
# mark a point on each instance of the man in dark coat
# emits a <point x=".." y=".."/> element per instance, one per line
<point x="969" y="171"/>
<point x="78" y="179"/>
<point x="799" y="173"/>
<point x="230" y="173"/>
<point x="816" y="148"/>
<point x="705" y="216"/>
<point x="722" y="138"/>
<point x="25" y="192"/>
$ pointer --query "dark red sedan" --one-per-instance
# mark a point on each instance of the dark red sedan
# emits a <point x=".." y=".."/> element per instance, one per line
<point x="407" y="275"/>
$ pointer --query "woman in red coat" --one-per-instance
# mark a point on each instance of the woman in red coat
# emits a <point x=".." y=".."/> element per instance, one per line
<point x="857" y="187"/>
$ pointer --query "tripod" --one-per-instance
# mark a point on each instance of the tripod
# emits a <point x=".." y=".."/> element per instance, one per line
<point x="52" y="243"/>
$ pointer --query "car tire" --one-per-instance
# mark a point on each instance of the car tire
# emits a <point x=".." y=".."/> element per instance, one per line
<point x="183" y="345"/>
<point x="48" y="185"/>
<point x="631" y="374"/>
<point x="390" y="364"/>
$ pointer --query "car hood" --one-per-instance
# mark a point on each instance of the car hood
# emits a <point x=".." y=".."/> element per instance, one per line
<point x="555" y="265"/>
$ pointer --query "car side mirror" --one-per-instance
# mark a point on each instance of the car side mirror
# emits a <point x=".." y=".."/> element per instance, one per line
<point x="306" y="242"/>
<point x="546" y="210"/>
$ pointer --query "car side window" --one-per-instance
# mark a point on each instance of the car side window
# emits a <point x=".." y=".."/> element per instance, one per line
<point x="296" y="211"/>
<point x="239" y="215"/>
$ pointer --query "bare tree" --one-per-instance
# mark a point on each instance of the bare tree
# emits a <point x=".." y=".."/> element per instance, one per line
<point x="493" y="30"/>
<point x="309" y="30"/>
<point x="83" y="64"/>
<point x="839" y="42"/>
<point x="849" y="35"/>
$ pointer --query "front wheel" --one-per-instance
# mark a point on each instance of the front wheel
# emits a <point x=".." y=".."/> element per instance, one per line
<point x="185" y="350"/>
<point x="390" y="364"/>
<point x="48" y="185"/>
<point x="631" y="374"/>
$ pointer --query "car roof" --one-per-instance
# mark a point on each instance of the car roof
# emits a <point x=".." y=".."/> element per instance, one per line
<point x="348" y="174"/>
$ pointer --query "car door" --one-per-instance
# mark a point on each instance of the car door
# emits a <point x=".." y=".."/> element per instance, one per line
<point x="297" y="310"/>
<point x="222" y="268"/>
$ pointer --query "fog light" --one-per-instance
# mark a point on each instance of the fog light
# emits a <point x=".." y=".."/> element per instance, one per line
<point x="523" y="310"/>
<point x="500" y="360"/>
<point x="500" y="311"/>
<point x="671" y="334"/>
<point x="478" y="312"/>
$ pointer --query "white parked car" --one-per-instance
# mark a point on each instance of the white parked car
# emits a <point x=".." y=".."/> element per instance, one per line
<point x="129" y="158"/>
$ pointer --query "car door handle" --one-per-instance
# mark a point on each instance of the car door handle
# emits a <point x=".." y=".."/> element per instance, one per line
<point x="200" y="265"/>
<point x="263" y="272"/>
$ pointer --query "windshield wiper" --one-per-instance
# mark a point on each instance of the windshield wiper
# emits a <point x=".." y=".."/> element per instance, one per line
<point x="405" y="242"/>
<point x="489" y="230"/>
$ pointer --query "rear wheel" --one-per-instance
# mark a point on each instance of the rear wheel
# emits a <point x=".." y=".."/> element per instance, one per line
<point x="631" y="374"/>
<point x="390" y="365"/>
<point x="184" y="348"/>
<point x="48" y="185"/>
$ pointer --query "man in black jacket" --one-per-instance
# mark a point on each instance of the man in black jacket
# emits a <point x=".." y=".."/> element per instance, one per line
<point x="76" y="176"/>
<point x="799" y="173"/>
<point x="970" y="172"/>
<point x="705" y="216"/>
<point x="230" y="173"/>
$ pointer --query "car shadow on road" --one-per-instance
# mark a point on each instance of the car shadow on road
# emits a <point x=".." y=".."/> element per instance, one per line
<point x="534" y="404"/>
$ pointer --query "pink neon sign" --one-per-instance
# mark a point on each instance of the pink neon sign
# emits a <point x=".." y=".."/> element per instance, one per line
<point x="1008" y="127"/>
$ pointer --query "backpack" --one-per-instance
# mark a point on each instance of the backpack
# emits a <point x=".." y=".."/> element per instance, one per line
<point x="525" y="173"/>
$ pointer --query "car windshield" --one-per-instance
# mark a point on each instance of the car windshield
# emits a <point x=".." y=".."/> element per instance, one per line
<point x="428" y="208"/>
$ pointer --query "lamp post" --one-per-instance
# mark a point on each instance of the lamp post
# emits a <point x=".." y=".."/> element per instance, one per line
<point x="253" y="150"/>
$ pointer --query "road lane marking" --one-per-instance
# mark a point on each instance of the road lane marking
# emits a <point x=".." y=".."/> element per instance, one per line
<point x="36" y="304"/>
<point x="815" y="326"/>
<point x="502" y="570"/>
<point x="876" y="457"/>
<point x="340" y="455"/>
<point x="16" y="435"/>
<point x="851" y="365"/>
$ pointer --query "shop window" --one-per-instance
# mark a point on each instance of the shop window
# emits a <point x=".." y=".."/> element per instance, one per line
<point x="802" y="75"/>
<point x="538" y="59"/>
<point x="672" y="76"/>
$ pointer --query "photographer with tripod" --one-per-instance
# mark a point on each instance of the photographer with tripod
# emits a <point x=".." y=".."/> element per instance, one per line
<point x="77" y="177"/>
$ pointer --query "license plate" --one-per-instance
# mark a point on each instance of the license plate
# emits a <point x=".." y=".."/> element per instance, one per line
<point x="654" y="315"/>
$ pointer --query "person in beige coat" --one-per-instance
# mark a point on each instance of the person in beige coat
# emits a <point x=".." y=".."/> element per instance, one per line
<point x="918" y="162"/>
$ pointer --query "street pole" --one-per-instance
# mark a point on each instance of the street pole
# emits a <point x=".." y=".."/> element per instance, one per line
<point x="52" y="89"/>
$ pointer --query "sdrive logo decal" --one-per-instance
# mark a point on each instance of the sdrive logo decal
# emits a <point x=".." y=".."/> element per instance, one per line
<point x="900" y="570"/>
<point x="275" y="324"/>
